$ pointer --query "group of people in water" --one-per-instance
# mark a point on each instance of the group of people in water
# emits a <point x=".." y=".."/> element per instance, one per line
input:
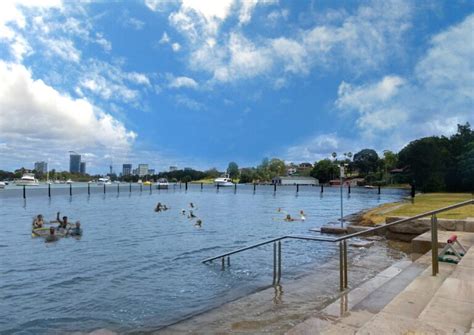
<point x="64" y="227"/>
<point x="161" y="207"/>
<point x="289" y="218"/>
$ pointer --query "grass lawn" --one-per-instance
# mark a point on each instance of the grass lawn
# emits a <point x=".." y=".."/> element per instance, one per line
<point x="423" y="203"/>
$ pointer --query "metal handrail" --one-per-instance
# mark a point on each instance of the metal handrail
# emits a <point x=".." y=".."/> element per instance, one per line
<point x="342" y="240"/>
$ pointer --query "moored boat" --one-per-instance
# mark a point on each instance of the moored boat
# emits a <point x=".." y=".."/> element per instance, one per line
<point x="223" y="181"/>
<point x="28" y="179"/>
<point x="162" y="184"/>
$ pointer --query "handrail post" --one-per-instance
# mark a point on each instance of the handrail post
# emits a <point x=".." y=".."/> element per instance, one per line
<point x="279" y="262"/>
<point x="223" y="263"/>
<point x="345" y="263"/>
<point x="434" y="245"/>
<point x="341" y="268"/>
<point x="274" y="262"/>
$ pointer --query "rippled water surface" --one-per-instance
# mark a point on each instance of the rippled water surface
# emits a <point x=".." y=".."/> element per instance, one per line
<point x="137" y="269"/>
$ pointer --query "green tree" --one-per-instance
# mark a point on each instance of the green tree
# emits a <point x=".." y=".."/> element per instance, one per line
<point x="247" y="175"/>
<point x="427" y="160"/>
<point x="466" y="168"/>
<point x="366" y="161"/>
<point x="233" y="170"/>
<point x="276" y="167"/>
<point x="262" y="172"/>
<point x="325" y="170"/>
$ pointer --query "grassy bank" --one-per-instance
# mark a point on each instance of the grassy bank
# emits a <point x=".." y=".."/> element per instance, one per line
<point x="422" y="203"/>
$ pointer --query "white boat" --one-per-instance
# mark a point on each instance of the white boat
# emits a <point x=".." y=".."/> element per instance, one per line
<point x="369" y="186"/>
<point x="103" y="181"/>
<point x="223" y="181"/>
<point x="2" y="185"/>
<point x="28" y="179"/>
<point x="162" y="184"/>
<point x="69" y="181"/>
<point x="139" y="181"/>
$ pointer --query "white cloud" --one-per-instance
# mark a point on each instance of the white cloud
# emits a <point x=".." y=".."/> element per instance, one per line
<point x="175" y="46"/>
<point x="103" y="42"/>
<point x="438" y="96"/>
<point x="364" y="40"/>
<point x="165" y="39"/>
<point x="38" y="117"/>
<point x="134" y="23"/>
<point x="317" y="147"/>
<point x="62" y="47"/>
<point x="179" y="82"/>
<point x="138" y="78"/>
<point x="189" y="103"/>
<point x="13" y="21"/>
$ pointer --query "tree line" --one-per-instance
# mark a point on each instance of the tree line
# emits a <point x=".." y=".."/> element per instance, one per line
<point x="435" y="163"/>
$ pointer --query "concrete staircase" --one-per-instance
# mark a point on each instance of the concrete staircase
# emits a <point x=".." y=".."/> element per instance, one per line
<point x="410" y="302"/>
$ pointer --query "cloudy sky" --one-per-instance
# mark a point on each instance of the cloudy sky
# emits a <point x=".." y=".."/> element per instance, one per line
<point x="200" y="83"/>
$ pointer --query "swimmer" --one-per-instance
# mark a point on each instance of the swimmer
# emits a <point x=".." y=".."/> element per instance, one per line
<point x="288" y="218"/>
<point x="62" y="223"/>
<point x="183" y="211"/>
<point x="191" y="215"/>
<point x="191" y="205"/>
<point x="158" y="207"/>
<point x="76" y="231"/>
<point x="302" y="215"/>
<point x="51" y="237"/>
<point x="198" y="223"/>
<point x="165" y="208"/>
<point x="38" y="221"/>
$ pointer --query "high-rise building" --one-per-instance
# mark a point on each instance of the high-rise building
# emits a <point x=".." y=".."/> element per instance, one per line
<point x="142" y="170"/>
<point x="151" y="171"/>
<point x="74" y="163"/>
<point x="173" y="168"/>
<point x="82" y="168"/>
<point x="126" y="169"/>
<point x="41" y="167"/>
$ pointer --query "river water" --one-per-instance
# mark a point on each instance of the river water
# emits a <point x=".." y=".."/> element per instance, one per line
<point x="137" y="269"/>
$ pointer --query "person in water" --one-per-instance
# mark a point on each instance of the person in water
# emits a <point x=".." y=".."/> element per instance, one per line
<point x="62" y="223"/>
<point x="183" y="211"/>
<point x="158" y="207"/>
<point x="76" y="231"/>
<point x="198" y="223"/>
<point x="302" y="215"/>
<point x="288" y="218"/>
<point x="191" y="215"/>
<point x="52" y="236"/>
<point x="38" y="221"/>
<point x="191" y="205"/>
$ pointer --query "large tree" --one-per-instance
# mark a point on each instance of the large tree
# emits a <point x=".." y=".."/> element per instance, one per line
<point x="233" y="170"/>
<point x="276" y="167"/>
<point x="325" y="170"/>
<point x="427" y="159"/>
<point x="366" y="161"/>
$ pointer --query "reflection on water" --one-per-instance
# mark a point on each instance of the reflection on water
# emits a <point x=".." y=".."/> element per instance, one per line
<point x="138" y="269"/>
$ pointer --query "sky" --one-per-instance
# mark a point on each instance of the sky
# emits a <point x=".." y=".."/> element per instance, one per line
<point x="202" y="83"/>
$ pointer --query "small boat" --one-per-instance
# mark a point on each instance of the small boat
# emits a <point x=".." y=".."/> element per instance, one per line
<point x="139" y="181"/>
<point x="69" y="181"/>
<point x="369" y="186"/>
<point x="223" y="181"/>
<point x="103" y="181"/>
<point x="162" y="184"/>
<point x="28" y="179"/>
<point x="2" y="185"/>
<point x="147" y="183"/>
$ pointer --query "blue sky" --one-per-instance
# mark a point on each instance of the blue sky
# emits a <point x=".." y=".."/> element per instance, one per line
<point x="201" y="83"/>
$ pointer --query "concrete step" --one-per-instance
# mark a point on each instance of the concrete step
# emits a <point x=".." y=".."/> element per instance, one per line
<point x="452" y="306"/>
<point x="353" y="309"/>
<point x="440" y="305"/>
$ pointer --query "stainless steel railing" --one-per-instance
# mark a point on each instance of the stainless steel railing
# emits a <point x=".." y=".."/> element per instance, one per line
<point x="343" y="279"/>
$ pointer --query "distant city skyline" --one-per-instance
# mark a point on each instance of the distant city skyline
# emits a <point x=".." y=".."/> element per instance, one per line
<point x="199" y="84"/>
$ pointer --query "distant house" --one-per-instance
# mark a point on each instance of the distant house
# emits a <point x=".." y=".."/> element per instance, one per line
<point x="295" y="180"/>
<point x="335" y="182"/>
